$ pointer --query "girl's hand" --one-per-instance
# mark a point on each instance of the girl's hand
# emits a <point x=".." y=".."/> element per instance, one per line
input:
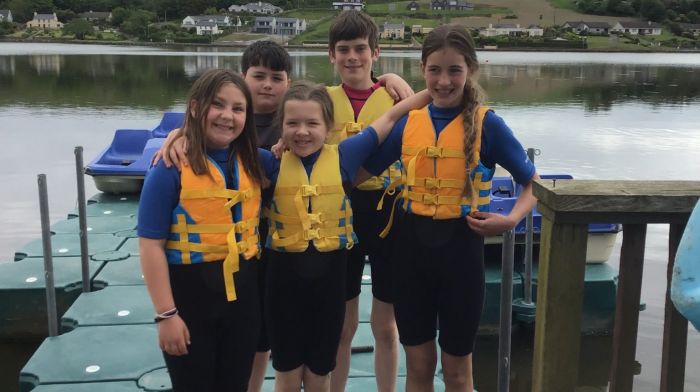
<point x="397" y="88"/>
<point x="174" y="150"/>
<point x="278" y="149"/>
<point x="173" y="336"/>
<point x="489" y="224"/>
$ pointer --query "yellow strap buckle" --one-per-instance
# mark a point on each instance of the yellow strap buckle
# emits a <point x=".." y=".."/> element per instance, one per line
<point x="309" y="190"/>
<point x="430" y="199"/>
<point x="432" y="183"/>
<point x="353" y="128"/>
<point x="312" y="234"/>
<point x="433" y="152"/>
<point x="315" y="218"/>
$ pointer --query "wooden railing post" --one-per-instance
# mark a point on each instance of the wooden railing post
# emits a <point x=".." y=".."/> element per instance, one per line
<point x="629" y="292"/>
<point x="675" y="326"/>
<point x="560" y="300"/>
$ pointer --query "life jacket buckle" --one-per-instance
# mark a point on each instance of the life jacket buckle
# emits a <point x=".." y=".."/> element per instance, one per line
<point x="433" y="152"/>
<point x="430" y="199"/>
<point x="309" y="190"/>
<point x="312" y="234"/>
<point x="432" y="183"/>
<point x="353" y="128"/>
<point x="315" y="218"/>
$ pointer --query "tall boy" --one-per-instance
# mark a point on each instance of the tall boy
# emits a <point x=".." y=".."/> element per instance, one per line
<point x="353" y="48"/>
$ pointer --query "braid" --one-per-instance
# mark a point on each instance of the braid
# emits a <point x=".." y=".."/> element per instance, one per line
<point x="471" y="100"/>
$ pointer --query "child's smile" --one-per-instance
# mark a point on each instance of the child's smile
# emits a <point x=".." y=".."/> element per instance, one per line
<point x="304" y="130"/>
<point x="445" y="72"/>
<point x="226" y="117"/>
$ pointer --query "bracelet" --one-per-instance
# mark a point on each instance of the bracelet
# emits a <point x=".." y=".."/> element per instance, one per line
<point x="165" y="315"/>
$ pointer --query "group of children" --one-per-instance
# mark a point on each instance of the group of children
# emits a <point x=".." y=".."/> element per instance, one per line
<point x="243" y="252"/>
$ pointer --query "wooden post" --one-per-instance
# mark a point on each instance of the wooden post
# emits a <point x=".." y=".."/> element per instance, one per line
<point x="629" y="291"/>
<point x="559" y="304"/>
<point x="675" y="326"/>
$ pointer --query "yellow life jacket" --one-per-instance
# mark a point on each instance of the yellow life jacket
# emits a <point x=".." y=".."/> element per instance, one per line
<point x="435" y="171"/>
<point x="310" y="208"/>
<point x="345" y="126"/>
<point x="206" y="228"/>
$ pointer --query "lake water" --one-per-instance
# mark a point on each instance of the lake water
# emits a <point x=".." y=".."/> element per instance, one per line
<point x="593" y="115"/>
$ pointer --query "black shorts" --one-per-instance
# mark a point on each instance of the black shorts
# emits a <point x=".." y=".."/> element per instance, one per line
<point x="305" y="308"/>
<point x="223" y="334"/>
<point x="263" y="341"/>
<point x="438" y="280"/>
<point x="367" y="224"/>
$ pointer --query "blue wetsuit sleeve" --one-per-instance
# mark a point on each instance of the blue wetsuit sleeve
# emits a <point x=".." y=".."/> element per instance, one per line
<point x="159" y="197"/>
<point x="389" y="151"/>
<point x="270" y="164"/>
<point x="499" y="146"/>
<point x="354" y="151"/>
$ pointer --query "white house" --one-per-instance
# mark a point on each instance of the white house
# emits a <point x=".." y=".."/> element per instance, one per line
<point x="5" y="16"/>
<point x="637" y="28"/>
<point x="207" y="28"/>
<point x="451" y="5"/>
<point x="220" y="20"/>
<point x="45" y="21"/>
<point x="590" y="28"/>
<point x="511" y="30"/>
<point x="392" y="30"/>
<point x="348" y="5"/>
<point x="256" y="8"/>
<point x="279" y="26"/>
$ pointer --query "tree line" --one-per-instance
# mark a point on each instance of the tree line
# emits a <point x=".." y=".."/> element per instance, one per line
<point x="679" y="11"/>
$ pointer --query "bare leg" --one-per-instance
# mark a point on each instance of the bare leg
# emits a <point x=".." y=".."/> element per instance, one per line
<point x="315" y="383"/>
<point x="386" y="351"/>
<point x="257" y="375"/>
<point x="289" y="381"/>
<point x="457" y="372"/>
<point x="420" y="363"/>
<point x="342" y="359"/>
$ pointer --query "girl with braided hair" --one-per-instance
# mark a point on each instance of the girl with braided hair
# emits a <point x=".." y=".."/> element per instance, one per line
<point x="448" y="150"/>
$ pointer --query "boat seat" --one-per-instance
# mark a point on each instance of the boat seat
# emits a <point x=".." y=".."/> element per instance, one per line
<point x="170" y="121"/>
<point x="127" y="146"/>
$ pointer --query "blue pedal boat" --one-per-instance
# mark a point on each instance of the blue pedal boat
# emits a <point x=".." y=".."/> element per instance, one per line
<point x="685" y="283"/>
<point x="121" y="167"/>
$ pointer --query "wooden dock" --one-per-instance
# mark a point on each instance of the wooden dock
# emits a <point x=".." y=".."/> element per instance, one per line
<point x="567" y="207"/>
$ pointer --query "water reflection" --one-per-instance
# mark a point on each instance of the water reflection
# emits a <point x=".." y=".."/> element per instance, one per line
<point x="161" y="81"/>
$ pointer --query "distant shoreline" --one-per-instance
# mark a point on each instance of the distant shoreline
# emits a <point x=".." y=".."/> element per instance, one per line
<point x="398" y="48"/>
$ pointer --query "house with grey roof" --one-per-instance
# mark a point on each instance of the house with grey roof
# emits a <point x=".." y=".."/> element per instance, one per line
<point x="692" y="28"/>
<point x="192" y="20"/>
<point x="44" y="21"/>
<point x="5" y="16"/>
<point x="348" y="5"/>
<point x="637" y="28"/>
<point x="451" y="5"/>
<point x="392" y="30"/>
<point x="279" y="26"/>
<point x="413" y="6"/>
<point x="588" y="28"/>
<point x="256" y="8"/>
<point x="92" y="16"/>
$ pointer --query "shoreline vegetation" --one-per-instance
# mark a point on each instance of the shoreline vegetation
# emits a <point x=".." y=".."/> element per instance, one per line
<point x="324" y="46"/>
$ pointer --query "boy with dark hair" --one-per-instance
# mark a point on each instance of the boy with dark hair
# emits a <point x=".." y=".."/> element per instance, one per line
<point x="359" y="100"/>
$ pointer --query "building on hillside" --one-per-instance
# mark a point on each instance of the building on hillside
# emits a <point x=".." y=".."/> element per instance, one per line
<point x="44" y="21"/>
<point x="5" y="16"/>
<point x="420" y="30"/>
<point x="192" y="20"/>
<point x="91" y="16"/>
<point x="588" y="28"/>
<point x="256" y="8"/>
<point x="348" y="5"/>
<point x="451" y="5"/>
<point x="392" y="30"/>
<point x="413" y="6"/>
<point x="692" y="28"/>
<point x="205" y="27"/>
<point x="511" y="30"/>
<point x="637" y="28"/>
<point x="279" y="26"/>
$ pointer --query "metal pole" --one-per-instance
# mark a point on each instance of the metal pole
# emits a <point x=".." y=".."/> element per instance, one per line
<point x="82" y="219"/>
<point x="506" y="310"/>
<point x="529" y="225"/>
<point x="48" y="260"/>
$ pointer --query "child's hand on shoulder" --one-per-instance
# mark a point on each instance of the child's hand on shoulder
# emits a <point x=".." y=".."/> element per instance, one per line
<point x="173" y="151"/>
<point x="278" y="149"/>
<point x="397" y="88"/>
